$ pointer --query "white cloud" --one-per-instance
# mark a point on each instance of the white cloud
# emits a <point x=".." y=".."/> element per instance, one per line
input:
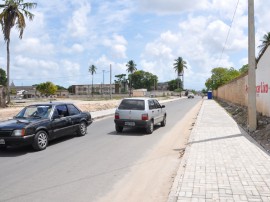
<point x="117" y="45"/>
<point x="75" y="48"/>
<point x="37" y="71"/>
<point x="79" y="21"/>
<point x="34" y="46"/>
<point x="171" y="6"/>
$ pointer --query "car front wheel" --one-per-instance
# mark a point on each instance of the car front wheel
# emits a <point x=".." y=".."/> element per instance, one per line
<point x="163" y="123"/>
<point x="40" y="140"/>
<point x="82" y="129"/>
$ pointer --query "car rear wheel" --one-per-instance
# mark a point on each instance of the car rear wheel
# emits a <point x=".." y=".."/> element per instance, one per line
<point x="163" y="123"/>
<point x="82" y="129"/>
<point x="150" y="128"/>
<point x="119" y="129"/>
<point x="40" y="140"/>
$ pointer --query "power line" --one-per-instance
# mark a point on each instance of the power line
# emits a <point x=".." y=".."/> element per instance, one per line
<point x="228" y="33"/>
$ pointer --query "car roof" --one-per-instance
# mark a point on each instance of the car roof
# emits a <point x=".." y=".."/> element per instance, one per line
<point x="138" y="98"/>
<point x="49" y="104"/>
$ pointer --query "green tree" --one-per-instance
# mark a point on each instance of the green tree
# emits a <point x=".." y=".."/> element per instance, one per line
<point x="13" y="13"/>
<point x="142" y="79"/>
<point x="221" y="76"/>
<point x="179" y="66"/>
<point x="243" y="69"/>
<point x="204" y="91"/>
<point x="70" y="89"/>
<point x="121" y="80"/>
<point x="3" y="77"/>
<point x="47" y="88"/>
<point x="60" y="87"/>
<point x="131" y="69"/>
<point x="173" y="84"/>
<point x="92" y="69"/>
<point x="265" y="43"/>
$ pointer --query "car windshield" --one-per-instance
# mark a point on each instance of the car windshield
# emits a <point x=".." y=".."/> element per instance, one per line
<point x="132" y="104"/>
<point x="35" y="112"/>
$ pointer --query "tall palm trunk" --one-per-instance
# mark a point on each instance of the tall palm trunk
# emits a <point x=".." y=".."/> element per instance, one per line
<point x="8" y="61"/>
<point x="130" y="86"/>
<point x="92" y="87"/>
<point x="183" y="80"/>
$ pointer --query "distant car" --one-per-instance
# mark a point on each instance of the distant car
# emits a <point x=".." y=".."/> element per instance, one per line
<point x="37" y="124"/>
<point x="139" y="113"/>
<point x="190" y="95"/>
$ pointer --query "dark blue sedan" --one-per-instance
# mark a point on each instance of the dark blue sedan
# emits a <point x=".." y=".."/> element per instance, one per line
<point x="37" y="124"/>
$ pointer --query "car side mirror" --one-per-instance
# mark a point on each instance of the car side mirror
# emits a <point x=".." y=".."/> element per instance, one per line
<point x="55" y="117"/>
<point x="162" y="106"/>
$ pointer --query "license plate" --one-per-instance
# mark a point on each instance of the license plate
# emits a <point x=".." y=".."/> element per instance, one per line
<point x="2" y="141"/>
<point x="130" y="123"/>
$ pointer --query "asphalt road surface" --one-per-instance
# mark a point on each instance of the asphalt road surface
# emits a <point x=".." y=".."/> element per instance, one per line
<point x="103" y="165"/>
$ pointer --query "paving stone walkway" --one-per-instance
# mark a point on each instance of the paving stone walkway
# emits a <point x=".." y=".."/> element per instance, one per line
<point x="222" y="162"/>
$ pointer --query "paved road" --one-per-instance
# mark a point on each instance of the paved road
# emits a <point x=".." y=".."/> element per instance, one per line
<point x="83" y="168"/>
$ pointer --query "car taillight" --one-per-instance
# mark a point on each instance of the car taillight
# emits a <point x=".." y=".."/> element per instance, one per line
<point x="144" y="117"/>
<point x="116" y="116"/>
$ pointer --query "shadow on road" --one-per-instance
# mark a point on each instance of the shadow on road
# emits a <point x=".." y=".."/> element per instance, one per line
<point x="132" y="132"/>
<point x="14" y="151"/>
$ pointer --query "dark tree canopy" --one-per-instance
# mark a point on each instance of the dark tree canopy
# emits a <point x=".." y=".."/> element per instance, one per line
<point x="221" y="76"/>
<point x="142" y="79"/>
<point x="3" y="77"/>
<point x="47" y="88"/>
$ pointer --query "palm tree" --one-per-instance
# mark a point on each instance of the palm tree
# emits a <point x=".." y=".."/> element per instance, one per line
<point x="264" y="45"/>
<point x="92" y="70"/>
<point x="179" y="66"/>
<point x="131" y="69"/>
<point x="13" y="13"/>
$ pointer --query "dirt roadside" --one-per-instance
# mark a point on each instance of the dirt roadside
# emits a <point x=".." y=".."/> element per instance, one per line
<point x="91" y="106"/>
<point x="240" y="115"/>
<point x="152" y="177"/>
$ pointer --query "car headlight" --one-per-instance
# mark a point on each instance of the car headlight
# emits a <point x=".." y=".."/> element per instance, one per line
<point x="18" y="133"/>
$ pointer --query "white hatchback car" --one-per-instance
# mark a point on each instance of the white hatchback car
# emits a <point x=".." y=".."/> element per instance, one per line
<point x="141" y="113"/>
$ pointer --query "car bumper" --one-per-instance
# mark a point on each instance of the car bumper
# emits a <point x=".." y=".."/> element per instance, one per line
<point x="25" y="140"/>
<point x="89" y="122"/>
<point x="132" y="123"/>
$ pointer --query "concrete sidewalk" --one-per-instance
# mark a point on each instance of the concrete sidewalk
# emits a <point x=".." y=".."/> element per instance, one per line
<point x="222" y="162"/>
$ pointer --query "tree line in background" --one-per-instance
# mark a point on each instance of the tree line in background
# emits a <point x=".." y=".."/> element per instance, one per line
<point x="142" y="79"/>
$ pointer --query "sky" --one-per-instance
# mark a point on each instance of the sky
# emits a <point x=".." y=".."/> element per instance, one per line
<point x="67" y="36"/>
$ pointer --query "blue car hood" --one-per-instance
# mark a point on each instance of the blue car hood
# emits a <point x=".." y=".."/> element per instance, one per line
<point x="15" y="124"/>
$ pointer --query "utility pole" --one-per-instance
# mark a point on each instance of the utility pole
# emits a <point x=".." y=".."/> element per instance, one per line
<point x="110" y="81"/>
<point x="103" y="82"/>
<point x="252" y="119"/>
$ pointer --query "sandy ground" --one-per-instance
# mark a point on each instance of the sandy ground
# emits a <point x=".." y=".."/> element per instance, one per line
<point x="91" y="106"/>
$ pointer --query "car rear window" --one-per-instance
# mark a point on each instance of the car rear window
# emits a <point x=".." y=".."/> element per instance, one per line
<point x="132" y="104"/>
